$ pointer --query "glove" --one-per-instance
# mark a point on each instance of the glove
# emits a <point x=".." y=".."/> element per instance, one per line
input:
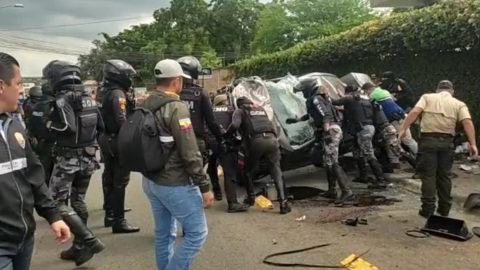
<point x="222" y="147"/>
<point x="291" y="121"/>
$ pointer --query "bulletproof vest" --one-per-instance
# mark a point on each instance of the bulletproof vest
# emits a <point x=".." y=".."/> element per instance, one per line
<point x="40" y="112"/>
<point x="361" y="110"/>
<point x="191" y="96"/>
<point x="86" y="118"/>
<point x="379" y="117"/>
<point x="331" y="112"/>
<point x="256" y="121"/>
<point x="223" y="115"/>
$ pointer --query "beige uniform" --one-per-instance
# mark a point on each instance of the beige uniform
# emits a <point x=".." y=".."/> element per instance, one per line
<point x="441" y="113"/>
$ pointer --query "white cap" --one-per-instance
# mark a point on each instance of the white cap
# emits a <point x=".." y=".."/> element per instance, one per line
<point x="169" y="68"/>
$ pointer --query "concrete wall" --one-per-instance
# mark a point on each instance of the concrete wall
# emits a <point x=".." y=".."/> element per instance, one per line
<point x="220" y="78"/>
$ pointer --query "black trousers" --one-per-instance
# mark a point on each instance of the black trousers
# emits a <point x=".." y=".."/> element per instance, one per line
<point x="115" y="178"/>
<point x="435" y="161"/>
<point x="44" y="150"/>
<point x="228" y="161"/>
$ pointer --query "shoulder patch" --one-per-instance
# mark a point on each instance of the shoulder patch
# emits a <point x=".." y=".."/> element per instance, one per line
<point x="185" y="124"/>
<point x="123" y="103"/>
<point x="315" y="101"/>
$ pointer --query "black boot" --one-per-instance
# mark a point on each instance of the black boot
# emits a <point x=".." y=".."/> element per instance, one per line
<point x="362" y="169"/>
<point x="217" y="193"/>
<point x="343" y="183"/>
<point x="285" y="206"/>
<point x="237" y="207"/>
<point x="92" y="245"/>
<point x="73" y="252"/>
<point x="331" y="193"/>
<point x="381" y="182"/>
<point x="120" y="224"/>
<point x="250" y="196"/>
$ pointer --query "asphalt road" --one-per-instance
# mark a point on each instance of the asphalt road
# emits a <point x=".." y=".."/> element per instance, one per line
<point x="241" y="241"/>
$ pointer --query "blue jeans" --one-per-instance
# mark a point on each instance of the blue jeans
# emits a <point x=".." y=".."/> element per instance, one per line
<point x="169" y="204"/>
<point x="16" y="257"/>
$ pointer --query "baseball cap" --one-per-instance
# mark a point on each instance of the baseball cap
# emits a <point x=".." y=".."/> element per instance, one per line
<point x="446" y="85"/>
<point x="169" y="68"/>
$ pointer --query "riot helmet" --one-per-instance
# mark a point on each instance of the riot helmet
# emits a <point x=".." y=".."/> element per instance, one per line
<point x="388" y="78"/>
<point x="309" y="86"/>
<point x="35" y="92"/>
<point x="63" y="73"/>
<point x="46" y="69"/>
<point x="46" y="90"/>
<point x="191" y="66"/>
<point x="120" y="73"/>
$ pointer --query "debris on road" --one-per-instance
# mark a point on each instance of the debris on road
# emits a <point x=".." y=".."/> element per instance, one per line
<point x="274" y="241"/>
<point x="353" y="262"/>
<point x="301" y="218"/>
<point x="264" y="203"/>
<point x="355" y="222"/>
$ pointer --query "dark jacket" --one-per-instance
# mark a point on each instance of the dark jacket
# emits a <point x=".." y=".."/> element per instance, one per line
<point x="115" y="109"/>
<point x="22" y="185"/>
<point x="185" y="161"/>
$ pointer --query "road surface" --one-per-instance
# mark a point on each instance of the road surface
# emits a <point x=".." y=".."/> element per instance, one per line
<point x="241" y="241"/>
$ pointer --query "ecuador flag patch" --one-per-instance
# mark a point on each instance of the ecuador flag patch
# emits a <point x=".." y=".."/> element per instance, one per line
<point x="185" y="123"/>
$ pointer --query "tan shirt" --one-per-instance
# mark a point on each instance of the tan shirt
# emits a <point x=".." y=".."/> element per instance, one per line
<point x="441" y="113"/>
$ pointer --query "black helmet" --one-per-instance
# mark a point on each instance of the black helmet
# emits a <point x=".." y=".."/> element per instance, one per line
<point x="46" y="69"/>
<point x="63" y="73"/>
<point x="46" y="90"/>
<point x="191" y="66"/>
<point x="120" y="72"/>
<point x="309" y="86"/>
<point x="35" y="92"/>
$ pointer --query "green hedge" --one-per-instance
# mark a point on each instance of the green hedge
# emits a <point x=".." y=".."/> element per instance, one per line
<point x="423" y="47"/>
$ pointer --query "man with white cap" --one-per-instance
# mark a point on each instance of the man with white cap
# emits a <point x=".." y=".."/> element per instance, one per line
<point x="176" y="193"/>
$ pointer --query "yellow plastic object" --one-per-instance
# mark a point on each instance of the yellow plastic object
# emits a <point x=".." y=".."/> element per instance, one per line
<point x="358" y="264"/>
<point x="263" y="202"/>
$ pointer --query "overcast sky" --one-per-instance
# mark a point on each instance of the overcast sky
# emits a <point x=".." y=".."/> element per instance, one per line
<point x="40" y="13"/>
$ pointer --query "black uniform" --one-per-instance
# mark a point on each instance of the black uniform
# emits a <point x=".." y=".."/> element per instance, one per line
<point x="361" y="113"/>
<point x="44" y="137"/>
<point x="261" y="141"/>
<point x="227" y="155"/>
<point x="402" y="92"/>
<point x="198" y="102"/>
<point x="76" y="121"/>
<point x="115" y="108"/>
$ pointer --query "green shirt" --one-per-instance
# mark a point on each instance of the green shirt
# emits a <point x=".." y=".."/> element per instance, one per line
<point x="379" y="95"/>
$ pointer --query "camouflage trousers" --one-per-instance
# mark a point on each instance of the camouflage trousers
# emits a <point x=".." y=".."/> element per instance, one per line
<point x="363" y="146"/>
<point x="71" y="176"/>
<point x="391" y="143"/>
<point x="330" y="153"/>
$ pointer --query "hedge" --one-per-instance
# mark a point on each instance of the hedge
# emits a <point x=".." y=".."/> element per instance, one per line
<point x="423" y="47"/>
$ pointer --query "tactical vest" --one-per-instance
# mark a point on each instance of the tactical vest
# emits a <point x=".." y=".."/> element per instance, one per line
<point x="223" y="115"/>
<point x="256" y="121"/>
<point x="86" y="121"/>
<point x="191" y="96"/>
<point x="361" y="111"/>
<point x="40" y="112"/>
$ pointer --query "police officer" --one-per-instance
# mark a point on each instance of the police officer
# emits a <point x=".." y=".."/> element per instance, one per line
<point x="400" y="90"/>
<point x="358" y="107"/>
<point x="261" y="141"/>
<point x="327" y="122"/>
<point x="34" y="96"/>
<point x="37" y="129"/>
<point x="116" y="105"/>
<point x="226" y="154"/>
<point x="198" y="101"/>
<point x="440" y="114"/>
<point x="75" y="121"/>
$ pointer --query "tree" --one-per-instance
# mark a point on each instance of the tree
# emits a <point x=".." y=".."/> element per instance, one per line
<point x="285" y="23"/>
<point x="210" y="59"/>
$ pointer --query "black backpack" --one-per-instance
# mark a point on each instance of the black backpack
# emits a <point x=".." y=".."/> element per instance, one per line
<point x="139" y="145"/>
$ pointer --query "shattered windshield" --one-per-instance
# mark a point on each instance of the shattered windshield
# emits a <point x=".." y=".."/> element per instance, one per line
<point x="286" y="104"/>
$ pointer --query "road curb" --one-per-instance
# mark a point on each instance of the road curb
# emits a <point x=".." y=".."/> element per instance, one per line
<point x="415" y="186"/>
